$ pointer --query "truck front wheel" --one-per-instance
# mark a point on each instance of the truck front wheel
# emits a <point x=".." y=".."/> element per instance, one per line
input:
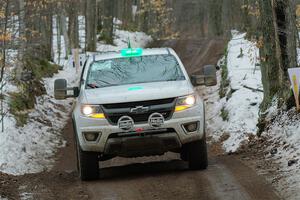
<point x="88" y="165"/>
<point x="197" y="154"/>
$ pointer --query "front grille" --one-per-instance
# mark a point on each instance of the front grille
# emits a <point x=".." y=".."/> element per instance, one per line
<point x="113" y="112"/>
<point x="139" y="103"/>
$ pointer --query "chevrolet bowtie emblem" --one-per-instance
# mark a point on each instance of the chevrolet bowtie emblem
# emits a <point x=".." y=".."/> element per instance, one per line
<point x="139" y="110"/>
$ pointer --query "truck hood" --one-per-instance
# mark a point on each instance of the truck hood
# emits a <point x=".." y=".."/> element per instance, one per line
<point x="137" y="92"/>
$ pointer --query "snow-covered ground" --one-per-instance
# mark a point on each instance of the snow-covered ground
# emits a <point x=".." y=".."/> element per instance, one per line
<point x="30" y="149"/>
<point x="283" y="134"/>
<point x="284" y="150"/>
<point x="241" y="104"/>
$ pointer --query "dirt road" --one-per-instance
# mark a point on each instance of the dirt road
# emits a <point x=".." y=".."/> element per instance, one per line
<point x="164" y="177"/>
<point x="195" y="53"/>
<point x="150" y="178"/>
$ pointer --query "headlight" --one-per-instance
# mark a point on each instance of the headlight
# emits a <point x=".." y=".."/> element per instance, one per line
<point x="87" y="110"/>
<point x="184" y="103"/>
<point x="92" y="111"/>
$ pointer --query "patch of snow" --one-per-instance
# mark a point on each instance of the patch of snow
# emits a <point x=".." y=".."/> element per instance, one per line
<point x="284" y="148"/>
<point x="242" y="102"/>
<point x="117" y="22"/>
<point x="243" y="107"/>
<point x="23" y="194"/>
<point x="26" y="196"/>
<point x="30" y="149"/>
<point x="285" y="138"/>
<point x="137" y="39"/>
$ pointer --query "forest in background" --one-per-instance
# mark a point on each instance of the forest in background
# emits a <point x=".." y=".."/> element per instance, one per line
<point x="26" y="28"/>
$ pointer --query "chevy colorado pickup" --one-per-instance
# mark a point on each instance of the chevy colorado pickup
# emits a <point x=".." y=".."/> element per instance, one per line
<point x="137" y="102"/>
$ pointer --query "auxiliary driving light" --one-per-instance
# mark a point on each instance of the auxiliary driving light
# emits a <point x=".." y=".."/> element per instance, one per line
<point x="91" y="136"/>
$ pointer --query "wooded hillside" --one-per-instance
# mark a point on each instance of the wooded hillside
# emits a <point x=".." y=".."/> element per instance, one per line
<point x="27" y="29"/>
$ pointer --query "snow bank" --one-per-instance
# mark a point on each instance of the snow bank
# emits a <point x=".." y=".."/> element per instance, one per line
<point x="243" y="106"/>
<point x="243" y="98"/>
<point x="284" y="149"/>
<point x="30" y="149"/>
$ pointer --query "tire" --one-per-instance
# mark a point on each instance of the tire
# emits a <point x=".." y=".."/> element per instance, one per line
<point x="197" y="155"/>
<point x="184" y="153"/>
<point x="88" y="165"/>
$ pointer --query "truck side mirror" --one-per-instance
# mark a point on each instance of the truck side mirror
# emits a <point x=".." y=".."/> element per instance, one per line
<point x="61" y="90"/>
<point x="210" y="75"/>
<point x="197" y="80"/>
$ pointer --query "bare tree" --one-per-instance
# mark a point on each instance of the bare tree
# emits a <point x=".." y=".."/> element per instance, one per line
<point x="91" y="24"/>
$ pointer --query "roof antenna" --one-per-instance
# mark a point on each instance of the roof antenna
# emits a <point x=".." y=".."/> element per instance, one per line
<point x="129" y="43"/>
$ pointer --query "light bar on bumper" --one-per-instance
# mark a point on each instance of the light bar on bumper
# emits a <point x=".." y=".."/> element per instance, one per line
<point x="185" y="102"/>
<point x="92" y="111"/>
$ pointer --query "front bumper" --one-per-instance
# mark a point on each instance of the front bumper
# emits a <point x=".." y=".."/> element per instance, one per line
<point x="146" y="145"/>
<point x="105" y="142"/>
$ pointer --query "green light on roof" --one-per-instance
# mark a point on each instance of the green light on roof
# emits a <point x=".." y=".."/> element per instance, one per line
<point x="131" y="52"/>
<point x="135" y="88"/>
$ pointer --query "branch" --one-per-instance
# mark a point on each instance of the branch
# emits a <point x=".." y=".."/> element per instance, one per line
<point x="253" y="89"/>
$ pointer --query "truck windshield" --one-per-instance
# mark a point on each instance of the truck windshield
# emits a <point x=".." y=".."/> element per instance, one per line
<point x="144" y="69"/>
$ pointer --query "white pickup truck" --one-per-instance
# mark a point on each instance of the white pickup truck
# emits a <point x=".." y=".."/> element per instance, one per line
<point x="137" y="102"/>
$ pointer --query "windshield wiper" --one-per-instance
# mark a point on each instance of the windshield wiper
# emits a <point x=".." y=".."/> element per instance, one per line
<point x="94" y="86"/>
<point x="91" y="85"/>
<point x="176" y="79"/>
<point x="109" y="85"/>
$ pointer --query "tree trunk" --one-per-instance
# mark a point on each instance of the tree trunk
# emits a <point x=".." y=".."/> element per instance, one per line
<point x="65" y="34"/>
<point x="21" y="28"/>
<point x="278" y="52"/>
<point x="58" y="37"/>
<point x="215" y="18"/>
<point x="46" y="35"/>
<point x="91" y="25"/>
<point x="269" y="61"/>
<point x="73" y="27"/>
<point x="107" y="31"/>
